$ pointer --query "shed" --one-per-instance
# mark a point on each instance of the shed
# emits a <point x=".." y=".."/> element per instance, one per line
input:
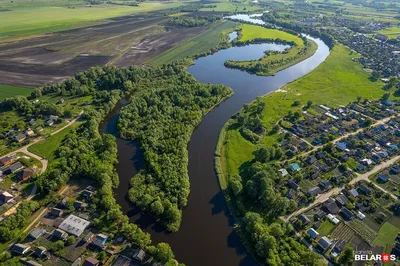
<point x="36" y="233"/>
<point x="91" y="262"/>
<point x="360" y="215"/>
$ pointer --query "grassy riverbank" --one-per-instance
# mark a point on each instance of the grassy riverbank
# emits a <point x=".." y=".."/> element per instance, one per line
<point x="337" y="81"/>
<point x="273" y="62"/>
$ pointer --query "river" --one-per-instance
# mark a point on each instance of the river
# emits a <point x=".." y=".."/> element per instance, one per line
<point x="206" y="236"/>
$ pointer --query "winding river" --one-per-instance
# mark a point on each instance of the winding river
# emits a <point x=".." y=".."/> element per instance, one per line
<point x="206" y="236"/>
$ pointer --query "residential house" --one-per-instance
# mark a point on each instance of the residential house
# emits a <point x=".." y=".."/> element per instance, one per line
<point x="80" y="205"/>
<point x="91" y="262"/>
<point x="325" y="243"/>
<point x="20" y="249"/>
<point x="283" y="172"/>
<point x="20" y="137"/>
<point x="330" y="206"/>
<point x="6" y="161"/>
<point x="314" y="191"/>
<point x="292" y="184"/>
<point x="15" y="167"/>
<point x="60" y="234"/>
<point x="339" y="246"/>
<point x="88" y="238"/>
<point x="353" y="193"/>
<point x="139" y="255"/>
<point x="5" y="197"/>
<point x="324" y="185"/>
<point x="41" y="252"/>
<point x="291" y="194"/>
<point x="100" y="241"/>
<point x="341" y="200"/>
<point x="320" y="215"/>
<point x="24" y="174"/>
<point x="87" y="194"/>
<point x="49" y="123"/>
<point x="381" y="37"/>
<point x="61" y="101"/>
<point x="346" y="214"/>
<point x="29" y="132"/>
<point x="304" y="219"/>
<point x="294" y="167"/>
<point x="383" y="178"/>
<point x="36" y="233"/>
<point x="56" y="212"/>
<point x="341" y="146"/>
<point x="311" y="159"/>
<point x="360" y="215"/>
<point x="364" y="189"/>
<point x="312" y="233"/>
<point x="74" y="225"/>
<point x="39" y="129"/>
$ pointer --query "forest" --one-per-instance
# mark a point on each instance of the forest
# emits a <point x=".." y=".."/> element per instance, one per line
<point x="162" y="120"/>
<point x="195" y="21"/>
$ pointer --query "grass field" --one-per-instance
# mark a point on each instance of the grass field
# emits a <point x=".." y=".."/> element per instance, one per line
<point x="250" y="32"/>
<point x="325" y="228"/>
<point x="200" y="44"/>
<point x="233" y="7"/>
<point x="7" y="91"/>
<point x="386" y="236"/>
<point x="46" y="19"/>
<point x="46" y="148"/>
<point x="337" y="81"/>
<point x="392" y="33"/>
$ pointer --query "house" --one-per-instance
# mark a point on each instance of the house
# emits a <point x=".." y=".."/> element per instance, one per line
<point x="80" y="205"/>
<point x="283" y="172"/>
<point x="15" y="167"/>
<point x="381" y="37"/>
<point x="41" y="252"/>
<point x="320" y="155"/>
<point x="383" y="178"/>
<point x="20" y="137"/>
<point x="39" y="129"/>
<point x="6" y="161"/>
<point x="24" y="174"/>
<point x="312" y="233"/>
<point x="91" y="262"/>
<point x="353" y="193"/>
<point x="314" y="191"/>
<point x="341" y="200"/>
<point x="364" y="189"/>
<point x="100" y="241"/>
<point x="74" y="225"/>
<point x="5" y="197"/>
<point x="303" y="145"/>
<point x="139" y="255"/>
<point x="294" y="167"/>
<point x="330" y="206"/>
<point x="291" y="193"/>
<point x="320" y="215"/>
<point x="339" y="246"/>
<point x="317" y="224"/>
<point x="36" y="233"/>
<point x="311" y="159"/>
<point x="325" y="243"/>
<point x="29" y="132"/>
<point x="60" y="234"/>
<point x="293" y="184"/>
<point x="61" y="101"/>
<point x="87" y="194"/>
<point x="20" y="249"/>
<point x="333" y="218"/>
<point x="341" y="146"/>
<point x="346" y="214"/>
<point x="304" y="219"/>
<point x="366" y="162"/>
<point x="64" y="203"/>
<point x="56" y="212"/>
<point x="53" y="117"/>
<point x="324" y="185"/>
<point x="32" y="122"/>
<point x="360" y="215"/>
<point x="88" y="238"/>
<point x="49" y="123"/>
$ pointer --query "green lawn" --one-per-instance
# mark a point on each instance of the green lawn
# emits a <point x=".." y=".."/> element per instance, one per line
<point x="391" y="32"/>
<point x="46" y="148"/>
<point x="200" y="44"/>
<point x="7" y="91"/>
<point x="45" y="19"/>
<point x="386" y="236"/>
<point x="250" y="32"/>
<point x="325" y="228"/>
<point x="337" y="81"/>
<point x="233" y="7"/>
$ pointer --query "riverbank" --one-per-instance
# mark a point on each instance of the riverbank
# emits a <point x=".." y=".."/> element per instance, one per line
<point x="337" y="81"/>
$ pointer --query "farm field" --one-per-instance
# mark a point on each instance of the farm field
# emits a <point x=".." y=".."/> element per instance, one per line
<point x="199" y="44"/>
<point x="10" y="91"/>
<point x="337" y="81"/>
<point x="386" y="236"/>
<point x="392" y="33"/>
<point x="250" y="32"/>
<point x="59" y="18"/>
<point x="233" y="7"/>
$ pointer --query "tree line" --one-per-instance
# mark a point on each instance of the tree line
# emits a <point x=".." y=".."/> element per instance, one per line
<point x="195" y="21"/>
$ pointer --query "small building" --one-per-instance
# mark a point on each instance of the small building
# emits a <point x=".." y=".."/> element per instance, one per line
<point x="346" y="214"/>
<point x="360" y="215"/>
<point x="41" y="252"/>
<point x="87" y="194"/>
<point x="324" y="185"/>
<point x="39" y="129"/>
<point x="53" y="117"/>
<point x="36" y="233"/>
<point x="283" y="172"/>
<point x="312" y="233"/>
<point x="333" y="218"/>
<point x="341" y="146"/>
<point x="49" y="123"/>
<point x="353" y="193"/>
<point x="56" y="212"/>
<point x="80" y="205"/>
<point x="291" y="194"/>
<point x="341" y="200"/>
<point x="294" y="167"/>
<point x="74" y="225"/>
<point x="330" y="206"/>
<point x="91" y="262"/>
<point x="364" y="189"/>
<point x="139" y="255"/>
<point x="325" y="243"/>
<point x="60" y="234"/>
<point x="381" y="37"/>
<point x="88" y="238"/>
<point x="20" y="249"/>
<point x="100" y="241"/>
<point x="29" y="132"/>
<point x="61" y="101"/>
<point x="15" y="167"/>
<point x="5" y="197"/>
<point x="314" y="191"/>
<point x="304" y="219"/>
<point x="311" y="159"/>
<point x="6" y="161"/>
<point x="32" y="122"/>
<point x="20" y="137"/>
<point x="24" y="174"/>
<point x="319" y="215"/>
<point x="293" y="184"/>
<point x="383" y="178"/>
<point x="339" y="246"/>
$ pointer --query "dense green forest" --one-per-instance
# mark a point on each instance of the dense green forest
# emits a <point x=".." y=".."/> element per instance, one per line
<point x="162" y="120"/>
<point x="195" y="21"/>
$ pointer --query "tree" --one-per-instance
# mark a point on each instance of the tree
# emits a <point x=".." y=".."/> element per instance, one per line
<point x="163" y="252"/>
<point x="70" y="240"/>
<point x="375" y="74"/>
<point x="359" y="99"/>
<point x="235" y="184"/>
<point x="102" y="255"/>
<point x="347" y="257"/>
<point x="309" y="103"/>
<point x="58" y="245"/>
<point x="385" y="96"/>
<point x="157" y="207"/>
<point x="296" y="103"/>
<point x="262" y="154"/>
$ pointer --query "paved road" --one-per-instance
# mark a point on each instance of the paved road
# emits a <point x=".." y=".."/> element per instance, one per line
<point x="360" y="177"/>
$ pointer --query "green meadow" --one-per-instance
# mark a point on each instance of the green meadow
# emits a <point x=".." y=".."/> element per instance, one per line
<point x="7" y="91"/>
